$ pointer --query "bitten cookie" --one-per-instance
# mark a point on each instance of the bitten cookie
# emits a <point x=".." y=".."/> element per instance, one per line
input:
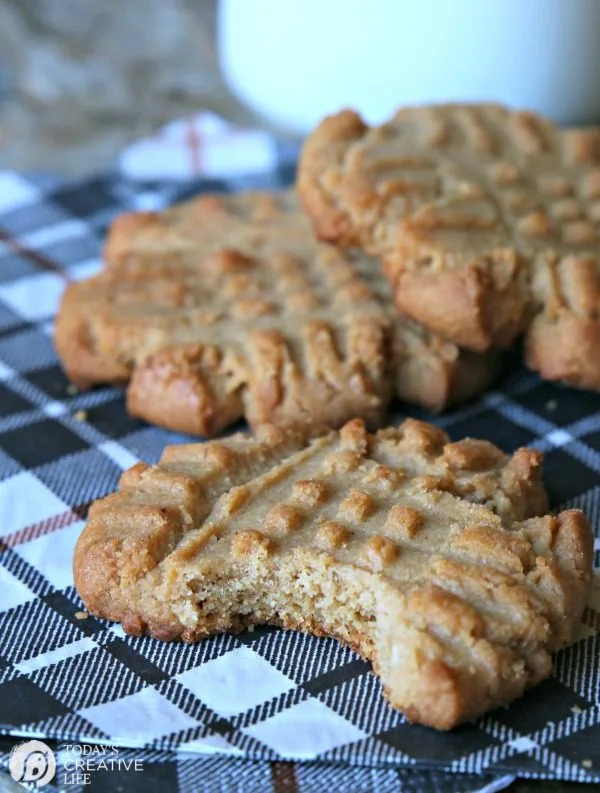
<point x="227" y="307"/>
<point x="488" y="221"/>
<point x="433" y="559"/>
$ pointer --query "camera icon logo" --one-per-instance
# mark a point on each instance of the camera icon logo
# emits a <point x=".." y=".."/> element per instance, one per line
<point x="32" y="763"/>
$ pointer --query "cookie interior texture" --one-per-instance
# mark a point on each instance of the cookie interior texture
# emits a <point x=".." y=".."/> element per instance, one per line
<point x="433" y="559"/>
<point x="227" y="307"/>
<point x="488" y="221"/>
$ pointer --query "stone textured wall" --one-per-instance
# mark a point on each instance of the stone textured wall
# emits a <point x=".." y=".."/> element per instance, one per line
<point x="81" y="78"/>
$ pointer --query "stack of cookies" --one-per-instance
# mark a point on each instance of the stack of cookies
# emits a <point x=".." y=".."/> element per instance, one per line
<point x="479" y="223"/>
<point x="408" y="256"/>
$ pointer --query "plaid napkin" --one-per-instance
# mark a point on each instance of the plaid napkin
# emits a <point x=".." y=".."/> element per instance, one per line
<point x="265" y="709"/>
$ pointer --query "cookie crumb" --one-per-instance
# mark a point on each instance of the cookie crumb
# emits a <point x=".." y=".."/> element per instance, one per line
<point x="576" y="709"/>
<point x="81" y="415"/>
<point x="587" y="763"/>
<point x="551" y="404"/>
<point x="72" y="389"/>
<point x="81" y="615"/>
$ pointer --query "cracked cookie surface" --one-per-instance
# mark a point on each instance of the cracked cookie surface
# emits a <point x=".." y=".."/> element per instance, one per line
<point x="488" y="221"/>
<point x="227" y="307"/>
<point x="433" y="559"/>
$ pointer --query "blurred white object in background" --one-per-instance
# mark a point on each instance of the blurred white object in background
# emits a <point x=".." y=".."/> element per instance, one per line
<point x="293" y="61"/>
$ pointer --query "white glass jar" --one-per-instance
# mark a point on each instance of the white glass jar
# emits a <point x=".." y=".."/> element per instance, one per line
<point x="293" y="61"/>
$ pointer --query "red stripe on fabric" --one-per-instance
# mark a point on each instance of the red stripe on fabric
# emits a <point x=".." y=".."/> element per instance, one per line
<point x="283" y="777"/>
<point x="43" y="262"/>
<point x="194" y="143"/>
<point x="47" y="526"/>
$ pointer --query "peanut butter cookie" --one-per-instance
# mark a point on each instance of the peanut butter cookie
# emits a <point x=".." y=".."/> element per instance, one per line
<point x="488" y="221"/>
<point x="227" y="307"/>
<point x="433" y="559"/>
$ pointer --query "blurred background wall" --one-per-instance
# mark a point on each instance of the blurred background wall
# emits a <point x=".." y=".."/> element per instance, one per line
<point x="80" y="79"/>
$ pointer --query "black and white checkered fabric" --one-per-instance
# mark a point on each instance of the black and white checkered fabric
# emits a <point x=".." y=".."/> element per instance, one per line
<point x="268" y="709"/>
